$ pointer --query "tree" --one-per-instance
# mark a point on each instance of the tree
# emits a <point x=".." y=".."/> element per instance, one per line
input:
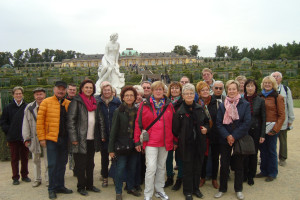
<point x="48" y="55"/>
<point x="221" y="51"/>
<point x="19" y="58"/>
<point x="33" y="55"/>
<point x="5" y="58"/>
<point x="59" y="55"/>
<point x="194" y="50"/>
<point x="70" y="54"/>
<point x="181" y="50"/>
<point x="233" y="52"/>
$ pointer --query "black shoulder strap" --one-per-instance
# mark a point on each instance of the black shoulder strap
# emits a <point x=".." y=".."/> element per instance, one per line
<point x="285" y="89"/>
<point x="157" y="118"/>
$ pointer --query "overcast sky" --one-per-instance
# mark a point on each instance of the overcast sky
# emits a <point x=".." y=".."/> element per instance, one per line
<point x="147" y="26"/>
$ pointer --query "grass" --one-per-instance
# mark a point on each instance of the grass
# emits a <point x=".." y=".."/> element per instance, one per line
<point x="296" y="103"/>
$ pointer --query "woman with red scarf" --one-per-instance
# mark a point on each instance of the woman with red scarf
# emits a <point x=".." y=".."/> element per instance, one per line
<point x="233" y="122"/>
<point x="85" y="124"/>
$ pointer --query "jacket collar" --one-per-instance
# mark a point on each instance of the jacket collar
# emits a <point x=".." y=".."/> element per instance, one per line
<point x="182" y="109"/>
<point x="32" y="106"/>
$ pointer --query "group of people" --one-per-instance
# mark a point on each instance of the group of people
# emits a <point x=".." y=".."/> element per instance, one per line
<point x="140" y="131"/>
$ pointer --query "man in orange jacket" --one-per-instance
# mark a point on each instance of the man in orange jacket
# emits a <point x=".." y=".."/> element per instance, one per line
<point x="51" y="131"/>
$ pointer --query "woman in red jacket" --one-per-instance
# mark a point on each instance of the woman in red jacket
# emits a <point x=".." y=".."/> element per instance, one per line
<point x="158" y="141"/>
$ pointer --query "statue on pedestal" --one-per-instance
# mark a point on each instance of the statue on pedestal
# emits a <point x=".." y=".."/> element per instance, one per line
<point x="109" y="69"/>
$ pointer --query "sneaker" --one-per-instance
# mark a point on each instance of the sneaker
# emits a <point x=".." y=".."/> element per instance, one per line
<point x="161" y="195"/>
<point x="240" y="196"/>
<point x="36" y="183"/>
<point x="219" y="194"/>
<point x="282" y="163"/>
<point x="16" y="182"/>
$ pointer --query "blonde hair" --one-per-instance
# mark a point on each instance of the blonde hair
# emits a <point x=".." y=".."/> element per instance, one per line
<point x="241" y="78"/>
<point x="139" y="89"/>
<point x="273" y="81"/>
<point x="105" y="85"/>
<point x="232" y="82"/>
<point x="157" y="84"/>
<point x="17" y="88"/>
<point x="207" y="70"/>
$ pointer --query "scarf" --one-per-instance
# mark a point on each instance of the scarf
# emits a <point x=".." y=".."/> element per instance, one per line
<point x="266" y="94"/>
<point x="175" y="99"/>
<point x="158" y="105"/>
<point x="205" y="102"/>
<point x="231" y="112"/>
<point x="132" y="115"/>
<point x="90" y="104"/>
<point x="250" y="100"/>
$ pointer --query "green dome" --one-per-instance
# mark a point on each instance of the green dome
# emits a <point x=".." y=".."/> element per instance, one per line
<point x="129" y="52"/>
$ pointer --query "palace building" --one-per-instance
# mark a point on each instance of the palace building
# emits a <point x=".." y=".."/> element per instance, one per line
<point x="130" y="57"/>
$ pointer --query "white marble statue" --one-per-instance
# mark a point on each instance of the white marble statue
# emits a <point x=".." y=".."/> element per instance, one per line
<point x="109" y="69"/>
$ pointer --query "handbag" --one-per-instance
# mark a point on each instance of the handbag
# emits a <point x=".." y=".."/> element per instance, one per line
<point x="124" y="145"/>
<point x="244" y="146"/>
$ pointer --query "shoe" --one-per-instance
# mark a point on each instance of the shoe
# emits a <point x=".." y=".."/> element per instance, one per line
<point x="64" y="190"/>
<point x="269" y="179"/>
<point x="176" y="167"/>
<point x="282" y="163"/>
<point x="93" y="189"/>
<point x="202" y="182"/>
<point x="219" y="194"/>
<point x="52" y="195"/>
<point x="260" y="175"/>
<point x="177" y="185"/>
<point x="118" y="196"/>
<point x="36" y="183"/>
<point x="161" y="195"/>
<point x="26" y="179"/>
<point x="169" y="182"/>
<point x="105" y="182"/>
<point x="16" y="182"/>
<point x="188" y="197"/>
<point x="138" y="188"/>
<point x="240" y="196"/>
<point x="83" y="192"/>
<point x="250" y="181"/>
<point x="215" y="184"/>
<point x="134" y="193"/>
<point x="198" y="194"/>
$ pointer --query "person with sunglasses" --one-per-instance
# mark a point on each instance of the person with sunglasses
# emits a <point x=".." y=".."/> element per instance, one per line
<point x="146" y="85"/>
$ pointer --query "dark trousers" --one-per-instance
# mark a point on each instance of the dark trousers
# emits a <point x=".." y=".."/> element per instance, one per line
<point x="191" y="174"/>
<point x="237" y="162"/>
<point x="268" y="155"/>
<point x="169" y="164"/>
<point x="104" y="163"/>
<point x="250" y="162"/>
<point x="19" y="151"/>
<point x="215" y="154"/>
<point x="85" y="166"/>
<point x="283" y="145"/>
<point x="125" y="165"/>
<point x="57" y="153"/>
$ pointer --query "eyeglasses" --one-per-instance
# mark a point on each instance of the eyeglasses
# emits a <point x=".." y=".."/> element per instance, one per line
<point x="146" y="87"/>
<point x="218" y="88"/>
<point x="129" y="96"/>
<point x="189" y="94"/>
<point x="183" y="82"/>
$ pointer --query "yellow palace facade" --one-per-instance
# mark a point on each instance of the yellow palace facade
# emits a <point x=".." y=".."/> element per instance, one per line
<point x="130" y="57"/>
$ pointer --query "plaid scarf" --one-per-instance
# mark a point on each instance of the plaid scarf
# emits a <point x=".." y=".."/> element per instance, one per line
<point x="132" y="115"/>
<point x="158" y="105"/>
<point x="250" y="100"/>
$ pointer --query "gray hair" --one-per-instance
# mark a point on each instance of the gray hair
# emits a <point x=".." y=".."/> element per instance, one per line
<point x="280" y="74"/>
<point x="18" y="88"/>
<point x="105" y="85"/>
<point x="148" y="82"/>
<point x="218" y="82"/>
<point x="188" y="86"/>
<point x="139" y="89"/>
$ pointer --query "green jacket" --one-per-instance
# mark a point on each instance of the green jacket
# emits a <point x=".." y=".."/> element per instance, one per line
<point x="120" y="123"/>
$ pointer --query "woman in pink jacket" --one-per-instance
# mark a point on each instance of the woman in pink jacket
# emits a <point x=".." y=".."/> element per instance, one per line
<point x="158" y="141"/>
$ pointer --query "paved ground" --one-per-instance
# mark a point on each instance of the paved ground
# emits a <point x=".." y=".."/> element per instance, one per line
<point x="286" y="186"/>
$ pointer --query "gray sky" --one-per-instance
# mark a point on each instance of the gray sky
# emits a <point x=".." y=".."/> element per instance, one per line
<point x="147" y="26"/>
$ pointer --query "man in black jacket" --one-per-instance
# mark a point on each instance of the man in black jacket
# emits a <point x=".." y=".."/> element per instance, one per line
<point x="11" y="123"/>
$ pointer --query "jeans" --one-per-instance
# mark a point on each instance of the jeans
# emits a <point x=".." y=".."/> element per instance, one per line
<point x="169" y="164"/>
<point x="214" y="167"/>
<point x="155" y="170"/>
<point x="283" y="145"/>
<point x="123" y="163"/>
<point x="19" y="151"/>
<point x="57" y="153"/>
<point x="268" y="155"/>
